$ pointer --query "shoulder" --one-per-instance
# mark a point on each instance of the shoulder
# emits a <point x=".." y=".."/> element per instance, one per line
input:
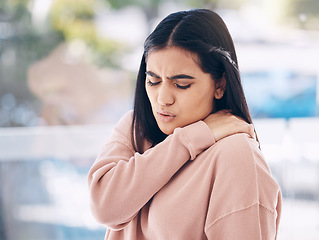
<point x="240" y="145"/>
<point x="241" y="179"/>
<point x="124" y="125"/>
<point x="126" y="119"/>
<point x="239" y="161"/>
<point x="120" y="138"/>
<point x="239" y="153"/>
<point x="238" y="141"/>
<point x="121" y="132"/>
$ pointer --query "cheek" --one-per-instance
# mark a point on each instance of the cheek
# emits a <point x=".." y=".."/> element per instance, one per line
<point x="204" y="93"/>
<point x="147" y="90"/>
<point x="150" y="94"/>
<point x="203" y="106"/>
<point x="203" y="103"/>
<point x="209" y="100"/>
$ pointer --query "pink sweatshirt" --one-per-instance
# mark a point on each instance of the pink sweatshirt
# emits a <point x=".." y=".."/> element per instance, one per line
<point x="186" y="187"/>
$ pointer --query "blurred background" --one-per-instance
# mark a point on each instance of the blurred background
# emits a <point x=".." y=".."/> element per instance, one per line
<point x="67" y="74"/>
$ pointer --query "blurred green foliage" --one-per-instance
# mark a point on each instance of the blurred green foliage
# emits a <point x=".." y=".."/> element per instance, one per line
<point x="305" y="12"/>
<point x="117" y="4"/>
<point x="10" y="9"/>
<point x="74" y="19"/>
<point x="21" y="44"/>
<point x="22" y="41"/>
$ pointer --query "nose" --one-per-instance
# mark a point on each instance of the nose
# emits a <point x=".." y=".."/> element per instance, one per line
<point x="165" y="95"/>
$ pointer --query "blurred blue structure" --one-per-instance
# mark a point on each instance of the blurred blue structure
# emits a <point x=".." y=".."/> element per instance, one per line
<point x="283" y="94"/>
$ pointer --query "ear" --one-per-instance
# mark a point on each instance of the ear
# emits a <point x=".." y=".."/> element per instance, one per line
<point x="220" y="87"/>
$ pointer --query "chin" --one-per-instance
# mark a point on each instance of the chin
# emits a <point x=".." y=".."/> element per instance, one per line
<point x="167" y="131"/>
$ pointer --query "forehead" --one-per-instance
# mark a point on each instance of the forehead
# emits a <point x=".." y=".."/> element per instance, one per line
<point x="172" y="56"/>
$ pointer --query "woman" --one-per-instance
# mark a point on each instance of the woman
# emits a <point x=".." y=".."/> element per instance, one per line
<point x="185" y="163"/>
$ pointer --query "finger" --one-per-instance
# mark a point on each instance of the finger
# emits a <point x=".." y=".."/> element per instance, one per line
<point x="251" y="131"/>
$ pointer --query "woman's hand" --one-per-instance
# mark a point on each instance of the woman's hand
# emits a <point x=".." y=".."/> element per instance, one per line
<point x="223" y="124"/>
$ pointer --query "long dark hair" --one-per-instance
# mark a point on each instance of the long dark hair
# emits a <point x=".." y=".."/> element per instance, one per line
<point x="204" y="33"/>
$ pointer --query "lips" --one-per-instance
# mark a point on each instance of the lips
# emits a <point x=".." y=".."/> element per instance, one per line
<point x="165" y="113"/>
<point x="165" y="116"/>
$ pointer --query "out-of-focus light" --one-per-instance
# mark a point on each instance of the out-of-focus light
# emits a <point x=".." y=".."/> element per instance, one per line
<point x="76" y="49"/>
<point x="40" y="10"/>
<point x="22" y="114"/>
<point x="303" y="17"/>
<point x="120" y="24"/>
<point x="4" y="117"/>
<point x="8" y="101"/>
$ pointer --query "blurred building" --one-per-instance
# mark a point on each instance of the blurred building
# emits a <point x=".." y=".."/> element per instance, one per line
<point x="74" y="91"/>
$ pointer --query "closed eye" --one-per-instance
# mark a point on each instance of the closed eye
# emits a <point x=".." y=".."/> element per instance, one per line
<point x="155" y="77"/>
<point x="150" y="83"/>
<point x="182" y="86"/>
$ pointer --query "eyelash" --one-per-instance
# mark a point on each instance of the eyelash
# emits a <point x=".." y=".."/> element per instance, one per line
<point x="183" y="87"/>
<point x="152" y="83"/>
<point x="178" y="86"/>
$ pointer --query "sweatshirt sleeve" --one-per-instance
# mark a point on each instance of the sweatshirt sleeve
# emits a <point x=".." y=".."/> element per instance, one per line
<point x="245" y="201"/>
<point x="121" y="181"/>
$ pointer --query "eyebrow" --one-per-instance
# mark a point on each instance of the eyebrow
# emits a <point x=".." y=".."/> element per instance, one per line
<point x="179" y="76"/>
<point x="151" y="74"/>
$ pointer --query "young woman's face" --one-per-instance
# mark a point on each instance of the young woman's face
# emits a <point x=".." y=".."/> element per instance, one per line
<point x="179" y="91"/>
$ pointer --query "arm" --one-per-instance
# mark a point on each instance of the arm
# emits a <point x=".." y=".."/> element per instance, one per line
<point x="121" y="182"/>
